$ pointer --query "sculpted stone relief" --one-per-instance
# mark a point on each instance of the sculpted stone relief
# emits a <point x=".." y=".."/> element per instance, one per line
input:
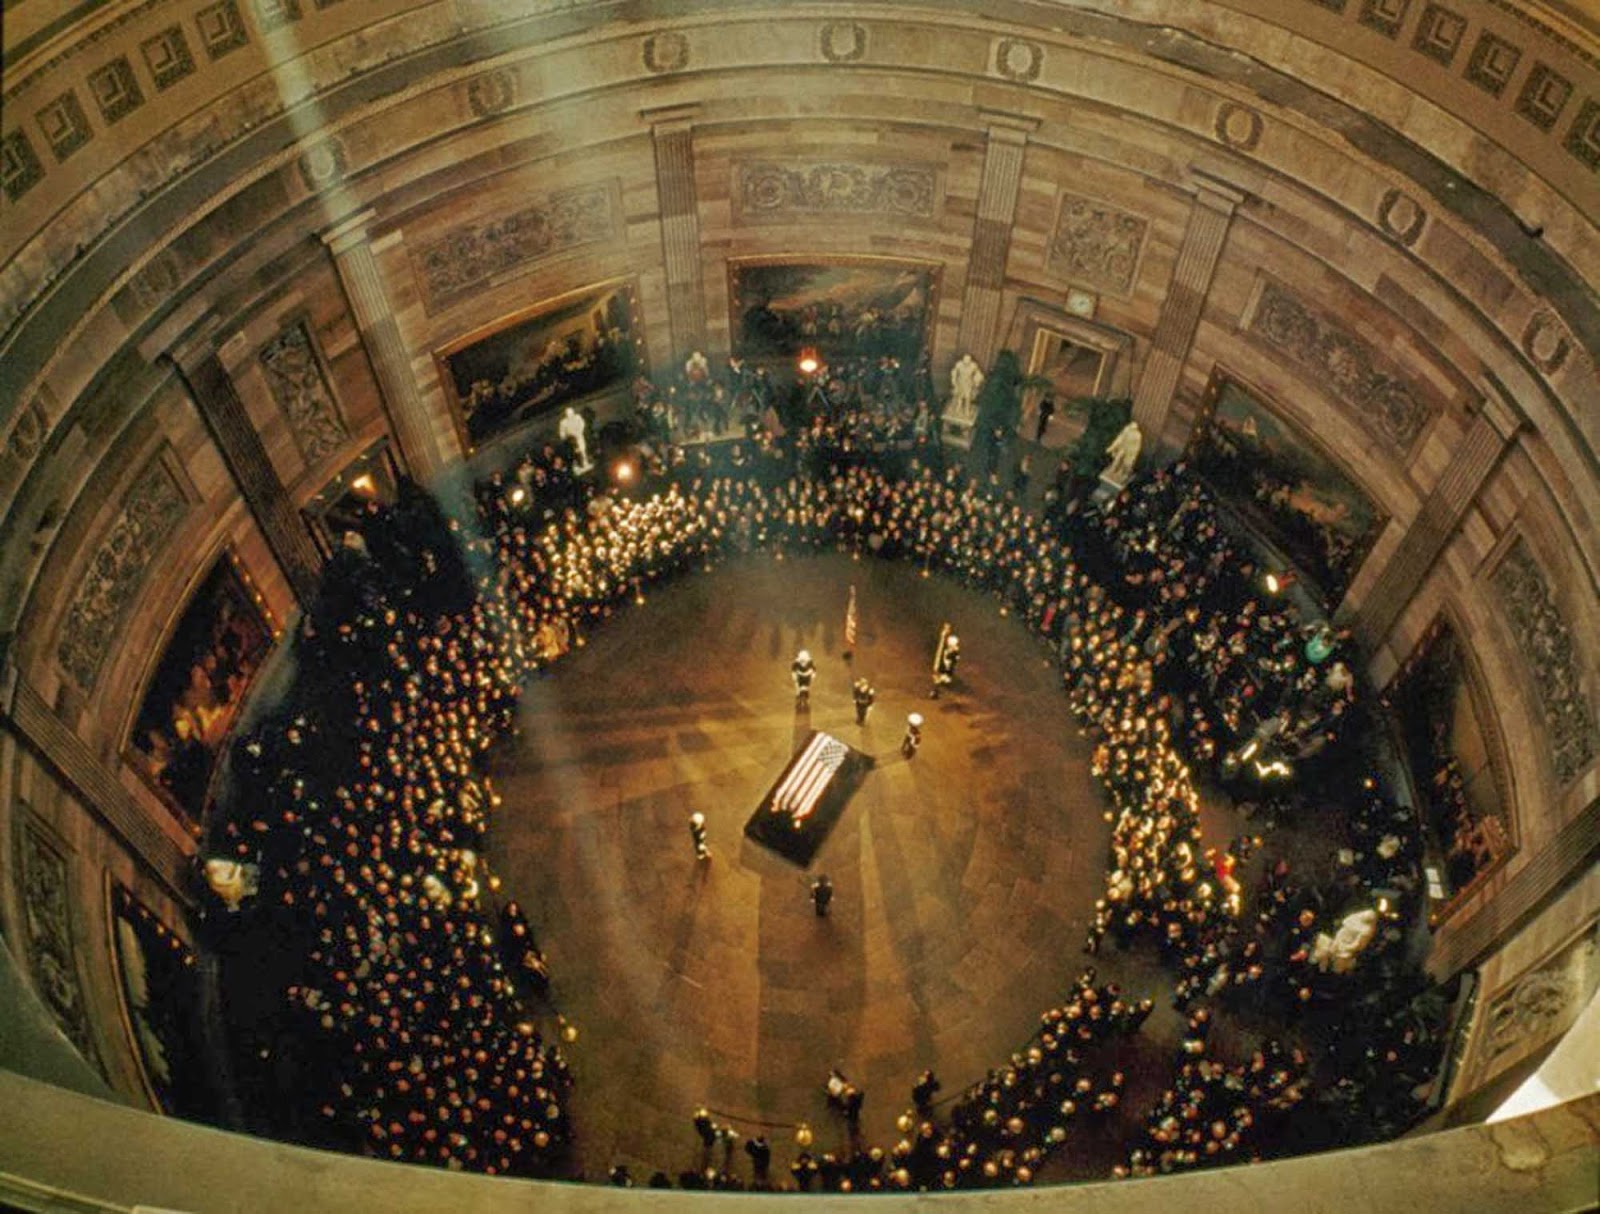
<point x="295" y="379"/>
<point x="1096" y="244"/>
<point x="765" y="190"/>
<point x="1539" y="1005"/>
<point x="51" y="956"/>
<point x="843" y="42"/>
<point x="1343" y="363"/>
<point x="152" y="510"/>
<point x="471" y="255"/>
<point x="1546" y="644"/>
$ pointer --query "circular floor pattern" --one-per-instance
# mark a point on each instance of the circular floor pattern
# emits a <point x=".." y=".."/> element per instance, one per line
<point x="964" y="877"/>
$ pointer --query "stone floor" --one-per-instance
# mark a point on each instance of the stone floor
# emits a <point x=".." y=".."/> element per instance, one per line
<point x="964" y="878"/>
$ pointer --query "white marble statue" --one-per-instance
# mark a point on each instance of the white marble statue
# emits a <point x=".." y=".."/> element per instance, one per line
<point x="231" y="881"/>
<point x="966" y="377"/>
<point x="1124" y="452"/>
<point x="573" y="427"/>
<point x="1340" y="951"/>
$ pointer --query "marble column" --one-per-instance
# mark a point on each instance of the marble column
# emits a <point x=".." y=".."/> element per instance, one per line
<point x="36" y="726"/>
<point x="1209" y="217"/>
<point x="672" y="130"/>
<point x="409" y="419"/>
<point x="226" y="418"/>
<point x="1486" y="440"/>
<point x="1004" y="150"/>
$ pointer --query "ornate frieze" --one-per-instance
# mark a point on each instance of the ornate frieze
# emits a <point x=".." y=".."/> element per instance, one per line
<point x="51" y="957"/>
<point x="152" y="510"/>
<point x="1401" y="217"/>
<point x="1018" y="59"/>
<point x="1096" y="245"/>
<point x="1545" y="341"/>
<point x="1546" y="644"/>
<point x="843" y="42"/>
<point x="1343" y="363"/>
<point x="297" y="383"/>
<point x="323" y="164"/>
<point x="1541" y="1003"/>
<point x="666" y="52"/>
<point x="492" y="92"/>
<point x="1238" y="126"/>
<point x="469" y="256"/>
<point x="765" y="190"/>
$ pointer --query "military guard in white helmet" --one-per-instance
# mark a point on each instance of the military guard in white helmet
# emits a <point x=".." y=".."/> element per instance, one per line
<point x="913" y="738"/>
<point x="945" y="662"/>
<point x="803" y="670"/>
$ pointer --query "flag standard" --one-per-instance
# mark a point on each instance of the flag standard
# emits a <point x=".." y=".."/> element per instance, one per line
<point x="850" y="622"/>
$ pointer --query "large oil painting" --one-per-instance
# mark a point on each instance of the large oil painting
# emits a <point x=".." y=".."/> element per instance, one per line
<point x="161" y="1000"/>
<point x="575" y="347"/>
<point x="1446" y="736"/>
<point x="1283" y="484"/>
<point x="863" y="308"/>
<point x="198" y="686"/>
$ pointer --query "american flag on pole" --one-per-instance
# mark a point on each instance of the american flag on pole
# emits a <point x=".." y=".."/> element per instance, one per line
<point x="809" y="777"/>
<point x="850" y="621"/>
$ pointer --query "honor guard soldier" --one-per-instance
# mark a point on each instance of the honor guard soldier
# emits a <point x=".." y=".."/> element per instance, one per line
<point x="913" y="738"/>
<point x="863" y="694"/>
<point x="803" y="670"/>
<point x="944" y="666"/>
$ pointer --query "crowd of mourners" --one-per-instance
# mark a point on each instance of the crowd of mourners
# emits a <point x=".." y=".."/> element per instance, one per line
<point x="364" y="811"/>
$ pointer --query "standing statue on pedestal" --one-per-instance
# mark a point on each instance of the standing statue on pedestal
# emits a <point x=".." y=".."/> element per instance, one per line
<point x="966" y="377"/>
<point x="1124" y="452"/>
<point x="574" y="429"/>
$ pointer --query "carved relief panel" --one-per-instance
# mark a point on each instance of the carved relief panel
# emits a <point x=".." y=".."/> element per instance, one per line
<point x="474" y="255"/>
<point x="1096" y="245"/>
<point x="298" y="383"/>
<point x="1547" y="646"/>
<point x="52" y="957"/>
<point x="151" y="511"/>
<point x="766" y="191"/>
<point x="1532" y="1009"/>
<point x="1342" y="363"/>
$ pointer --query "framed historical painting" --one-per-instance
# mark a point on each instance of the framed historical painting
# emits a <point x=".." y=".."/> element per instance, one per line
<point x="193" y="694"/>
<point x="842" y="308"/>
<point x="1455" y="762"/>
<point x="340" y="505"/>
<point x="1285" y="486"/>
<point x="530" y="366"/>
<point x="159" y="988"/>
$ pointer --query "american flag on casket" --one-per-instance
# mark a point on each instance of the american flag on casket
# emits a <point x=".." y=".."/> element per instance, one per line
<point x="809" y="777"/>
